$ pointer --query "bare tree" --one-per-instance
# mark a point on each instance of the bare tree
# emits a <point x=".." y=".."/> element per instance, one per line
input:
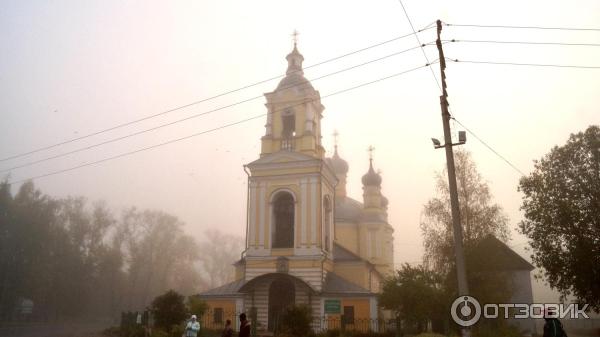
<point x="218" y="252"/>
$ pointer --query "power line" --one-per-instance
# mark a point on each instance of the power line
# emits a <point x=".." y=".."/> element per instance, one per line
<point x="451" y="113"/>
<point x="523" y="27"/>
<point x="210" y="130"/>
<point x="437" y="82"/>
<point x="525" y="64"/>
<point x="488" y="146"/>
<point x="528" y="42"/>
<point x="516" y="64"/>
<point x="199" y="114"/>
<point x="118" y="126"/>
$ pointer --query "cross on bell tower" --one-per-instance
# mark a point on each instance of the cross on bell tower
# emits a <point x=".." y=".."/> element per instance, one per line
<point x="295" y="37"/>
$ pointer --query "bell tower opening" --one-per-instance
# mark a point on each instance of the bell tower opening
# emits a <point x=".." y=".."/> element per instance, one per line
<point x="288" y="133"/>
<point x="283" y="220"/>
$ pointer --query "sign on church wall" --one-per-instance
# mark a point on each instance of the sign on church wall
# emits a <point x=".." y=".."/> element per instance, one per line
<point x="333" y="307"/>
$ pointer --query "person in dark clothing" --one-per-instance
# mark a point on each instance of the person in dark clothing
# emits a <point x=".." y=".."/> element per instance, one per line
<point x="228" y="331"/>
<point x="244" y="326"/>
<point x="553" y="327"/>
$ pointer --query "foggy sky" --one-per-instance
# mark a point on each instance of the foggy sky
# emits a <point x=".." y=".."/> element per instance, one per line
<point x="68" y="68"/>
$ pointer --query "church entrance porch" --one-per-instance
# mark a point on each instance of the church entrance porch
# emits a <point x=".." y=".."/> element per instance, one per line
<point x="282" y="294"/>
<point x="270" y="294"/>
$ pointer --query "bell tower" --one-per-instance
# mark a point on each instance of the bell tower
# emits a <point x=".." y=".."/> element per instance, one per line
<point x="291" y="190"/>
<point x="294" y="113"/>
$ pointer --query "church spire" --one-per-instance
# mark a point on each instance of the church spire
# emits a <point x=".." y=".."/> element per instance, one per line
<point x="295" y="58"/>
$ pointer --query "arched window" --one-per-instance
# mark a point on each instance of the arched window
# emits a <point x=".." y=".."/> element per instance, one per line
<point x="327" y="210"/>
<point x="283" y="220"/>
<point x="289" y="123"/>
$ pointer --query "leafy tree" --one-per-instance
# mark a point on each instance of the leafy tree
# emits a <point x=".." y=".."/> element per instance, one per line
<point x="415" y="295"/>
<point x="562" y="216"/>
<point x="73" y="259"/>
<point x="168" y="310"/>
<point x="479" y="215"/>
<point x="196" y="306"/>
<point x="296" y="320"/>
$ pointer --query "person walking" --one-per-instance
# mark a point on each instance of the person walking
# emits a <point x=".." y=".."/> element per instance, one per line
<point x="244" y="326"/>
<point x="192" y="327"/>
<point x="228" y="331"/>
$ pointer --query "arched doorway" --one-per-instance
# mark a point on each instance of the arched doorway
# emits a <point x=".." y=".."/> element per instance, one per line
<point x="282" y="294"/>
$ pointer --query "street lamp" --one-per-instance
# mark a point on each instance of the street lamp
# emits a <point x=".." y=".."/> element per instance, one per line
<point x="462" y="138"/>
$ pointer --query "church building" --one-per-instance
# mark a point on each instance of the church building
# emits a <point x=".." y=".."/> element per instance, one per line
<point x="307" y="242"/>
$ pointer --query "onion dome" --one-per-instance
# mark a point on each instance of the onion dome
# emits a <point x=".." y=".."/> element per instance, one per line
<point x="339" y="165"/>
<point x="384" y="202"/>
<point x="371" y="178"/>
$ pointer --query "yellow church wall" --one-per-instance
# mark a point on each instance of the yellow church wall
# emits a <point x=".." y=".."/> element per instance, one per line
<point x="225" y="304"/>
<point x="361" y="307"/>
<point x="362" y="314"/>
<point x="347" y="236"/>
<point x="228" y="312"/>
<point x="357" y="273"/>
<point x="239" y="272"/>
<point x="328" y="265"/>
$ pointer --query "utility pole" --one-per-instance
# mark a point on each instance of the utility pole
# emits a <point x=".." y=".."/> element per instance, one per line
<point x="463" y="288"/>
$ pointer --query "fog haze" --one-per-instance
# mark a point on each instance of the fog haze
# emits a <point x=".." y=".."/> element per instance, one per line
<point x="69" y="68"/>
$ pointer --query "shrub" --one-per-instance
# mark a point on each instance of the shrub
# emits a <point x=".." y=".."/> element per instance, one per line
<point x="159" y="333"/>
<point x="169" y="310"/>
<point x="176" y="330"/>
<point x="296" y="320"/>
<point x="132" y="331"/>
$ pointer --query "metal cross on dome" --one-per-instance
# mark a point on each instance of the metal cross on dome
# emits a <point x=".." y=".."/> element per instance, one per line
<point x="295" y="36"/>
<point x="335" y="134"/>
<point x="371" y="149"/>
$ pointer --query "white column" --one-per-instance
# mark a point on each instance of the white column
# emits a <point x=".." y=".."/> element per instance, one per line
<point x="252" y="215"/>
<point x="313" y="211"/>
<point x="303" y="215"/>
<point x="373" y="312"/>
<point x="269" y="126"/>
<point x="261" y="215"/>
<point x="239" y="308"/>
